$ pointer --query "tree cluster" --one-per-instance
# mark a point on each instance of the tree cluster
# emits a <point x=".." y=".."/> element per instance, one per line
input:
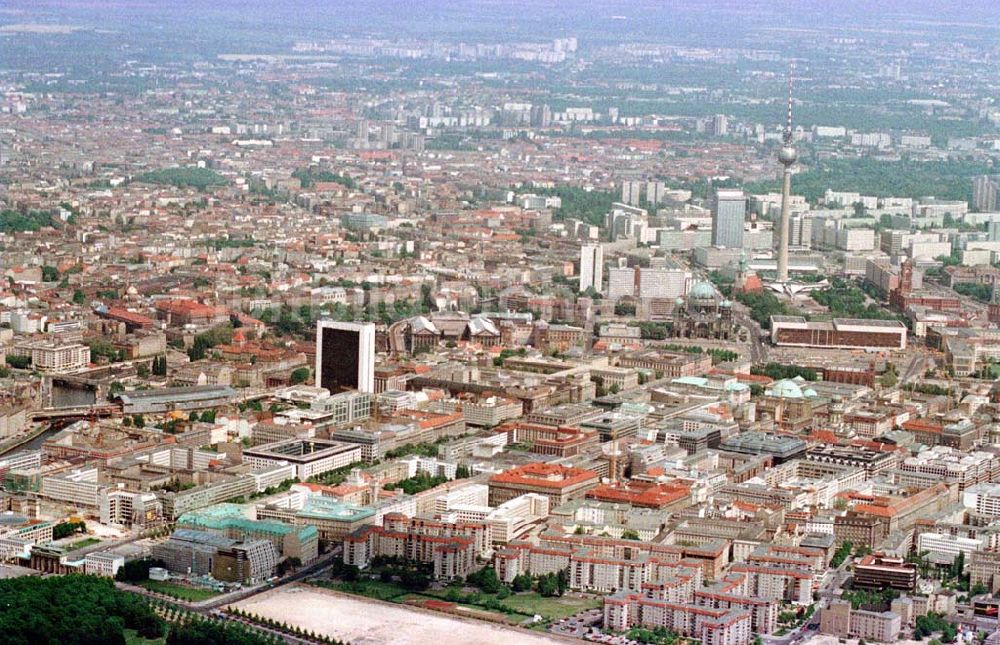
<point x="579" y="203"/>
<point x="100" y="348"/>
<point x="844" y="299"/>
<point x="66" y="529"/>
<point x="19" y="362"/>
<point x="486" y="579"/>
<point x="184" y="177"/>
<point x="981" y="292"/>
<point x="72" y="609"/>
<point x="870" y="600"/>
<point x="424" y="449"/>
<point x="207" y="632"/>
<point x="159" y="366"/>
<point x="137" y="570"/>
<point x="890" y="376"/>
<point x="553" y="584"/>
<point x="299" y="375"/>
<point x="932" y="623"/>
<point x="763" y="305"/>
<point x="778" y="371"/>
<point x="418" y="483"/>
<point x="413" y="576"/>
<point x="507" y="353"/>
<point x="309" y="176"/>
<point x="12" y="221"/>
<point x="841" y="554"/>
<point x="649" y="330"/>
<point x="624" y="309"/>
<point x="222" y="335"/>
<point x="232" y="634"/>
<point x="654" y="636"/>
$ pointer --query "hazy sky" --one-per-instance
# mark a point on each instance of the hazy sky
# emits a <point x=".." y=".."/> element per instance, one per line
<point x="204" y="28"/>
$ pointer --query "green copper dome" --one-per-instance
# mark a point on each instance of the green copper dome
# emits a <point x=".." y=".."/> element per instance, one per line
<point x="703" y="291"/>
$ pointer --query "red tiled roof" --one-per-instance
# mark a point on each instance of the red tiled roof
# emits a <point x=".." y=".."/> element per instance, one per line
<point x="922" y="426"/>
<point x="641" y="494"/>
<point x="544" y="475"/>
<point x="126" y="316"/>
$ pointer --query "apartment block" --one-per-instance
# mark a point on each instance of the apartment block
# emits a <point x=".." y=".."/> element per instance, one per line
<point x="452" y="548"/>
<point x="840" y="620"/>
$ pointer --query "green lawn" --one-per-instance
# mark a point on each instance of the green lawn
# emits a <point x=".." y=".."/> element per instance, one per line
<point x="132" y="638"/>
<point x="467" y="610"/>
<point x="182" y="592"/>
<point x="371" y="588"/>
<point x="83" y="543"/>
<point x="531" y="603"/>
<point x="526" y="604"/>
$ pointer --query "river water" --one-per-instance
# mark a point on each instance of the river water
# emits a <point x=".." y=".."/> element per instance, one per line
<point x="62" y="397"/>
<point x="66" y="397"/>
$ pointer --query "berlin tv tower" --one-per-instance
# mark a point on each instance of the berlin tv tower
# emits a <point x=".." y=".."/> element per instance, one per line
<point x="787" y="156"/>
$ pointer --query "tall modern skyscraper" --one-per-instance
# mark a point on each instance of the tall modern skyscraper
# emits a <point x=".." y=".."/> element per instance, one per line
<point x="592" y="267"/>
<point x="631" y="192"/>
<point x="787" y="157"/>
<point x="345" y="356"/>
<point x="729" y="213"/>
<point x="986" y="193"/>
<point x="720" y="125"/>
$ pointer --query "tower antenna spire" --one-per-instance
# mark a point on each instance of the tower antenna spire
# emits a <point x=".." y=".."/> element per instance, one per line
<point x="788" y="122"/>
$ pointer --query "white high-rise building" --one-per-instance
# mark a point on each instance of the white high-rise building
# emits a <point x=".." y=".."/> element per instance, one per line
<point x="800" y="231"/>
<point x="662" y="283"/>
<point x="986" y="193"/>
<point x="728" y="218"/>
<point x="592" y="267"/>
<point x="720" y="125"/>
<point x="632" y="192"/>
<point x="621" y="282"/>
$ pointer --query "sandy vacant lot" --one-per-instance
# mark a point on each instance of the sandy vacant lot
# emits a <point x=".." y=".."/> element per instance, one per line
<point x="362" y="622"/>
<point x="821" y="639"/>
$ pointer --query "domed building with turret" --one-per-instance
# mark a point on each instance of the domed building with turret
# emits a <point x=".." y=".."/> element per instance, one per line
<point x="703" y="313"/>
<point x="792" y="405"/>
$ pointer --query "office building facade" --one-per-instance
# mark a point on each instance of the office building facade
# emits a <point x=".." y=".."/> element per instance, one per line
<point x="729" y="209"/>
<point x="345" y="356"/>
<point x="591" y="267"/>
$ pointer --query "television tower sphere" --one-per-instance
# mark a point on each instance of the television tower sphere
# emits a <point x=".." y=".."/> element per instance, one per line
<point x="787" y="155"/>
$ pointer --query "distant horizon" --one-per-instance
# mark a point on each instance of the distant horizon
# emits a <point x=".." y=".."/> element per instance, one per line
<point x="331" y="13"/>
<point x="155" y="32"/>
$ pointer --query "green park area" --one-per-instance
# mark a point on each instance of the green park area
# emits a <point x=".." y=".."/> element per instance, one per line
<point x="482" y="593"/>
<point x="82" y="544"/>
<point x="518" y="607"/>
<point x="184" y="177"/>
<point x="554" y="608"/>
<point x="179" y="591"/>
